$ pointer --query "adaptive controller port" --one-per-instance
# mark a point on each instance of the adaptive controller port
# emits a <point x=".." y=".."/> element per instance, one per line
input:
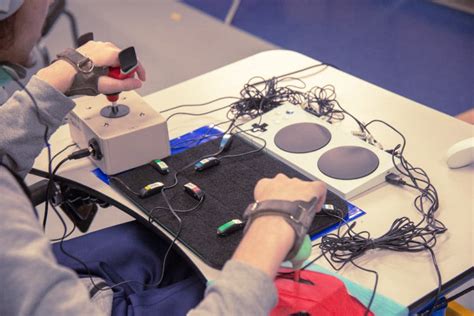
<point x="95" y="148"/>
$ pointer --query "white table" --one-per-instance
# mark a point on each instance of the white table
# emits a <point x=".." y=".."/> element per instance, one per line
<point x="404" y="277"/>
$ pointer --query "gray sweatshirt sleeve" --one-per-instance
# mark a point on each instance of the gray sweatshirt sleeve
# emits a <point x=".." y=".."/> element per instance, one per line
<point x="32" y="281"/>
<point x="22" y="135"/>
<point x="239" y="290"/>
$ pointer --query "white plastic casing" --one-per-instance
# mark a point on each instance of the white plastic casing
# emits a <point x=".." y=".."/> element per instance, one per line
<point x="288" y="114"/>
<point x="125" y="142"/>
<point x="461" y="154"/>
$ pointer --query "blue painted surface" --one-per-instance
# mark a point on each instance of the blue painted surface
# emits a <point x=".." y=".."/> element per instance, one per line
<point x="199" y="136"/>
<point x="414" y="48"/>
<point x="101" y="175"/>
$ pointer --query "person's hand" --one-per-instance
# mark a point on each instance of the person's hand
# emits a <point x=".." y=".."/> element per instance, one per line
<point x="60" y="74"/>
<point x="106" y="54"/>
<point x="290" y="189"/>
<point x="269" y="238"/>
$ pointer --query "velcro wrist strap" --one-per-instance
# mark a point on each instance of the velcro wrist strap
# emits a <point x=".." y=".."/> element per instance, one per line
<point x="298" y="214"/>
<point x="87" y="76"/>
<point x="79" y="61"/>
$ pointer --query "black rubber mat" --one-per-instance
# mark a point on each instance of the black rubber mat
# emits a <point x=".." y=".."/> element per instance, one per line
<point x="228" y="190"/>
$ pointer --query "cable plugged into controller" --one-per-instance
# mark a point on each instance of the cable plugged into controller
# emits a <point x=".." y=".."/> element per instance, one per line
<point x="95" y="147"/>
<point x="81" y="153"/>
<point x="206" y="163"/>
<point x="151" y="189"/>
<point x="394" y="179"/>
<point x="225" y="143"/>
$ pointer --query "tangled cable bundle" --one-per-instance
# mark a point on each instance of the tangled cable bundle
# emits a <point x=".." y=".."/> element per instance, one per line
<point x="262" y="96"/>
<point x="321" y="101"/>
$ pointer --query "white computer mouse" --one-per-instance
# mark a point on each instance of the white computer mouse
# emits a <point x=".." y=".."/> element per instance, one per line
<point x="461" y="154"/>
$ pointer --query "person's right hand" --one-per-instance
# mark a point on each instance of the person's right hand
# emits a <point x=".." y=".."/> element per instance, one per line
<point x="290" y="189"/>
<point x="269" y="238"/>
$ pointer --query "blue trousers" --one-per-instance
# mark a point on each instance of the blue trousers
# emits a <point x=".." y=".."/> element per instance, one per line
<point x="131" y="252"/>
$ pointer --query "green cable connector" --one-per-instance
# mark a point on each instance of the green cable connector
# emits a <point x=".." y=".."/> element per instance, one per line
<point x="161" y="166"/>
<point x="230" y="227"/>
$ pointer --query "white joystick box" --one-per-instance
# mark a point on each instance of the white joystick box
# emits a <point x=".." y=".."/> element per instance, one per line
<point x="123" y="142"/>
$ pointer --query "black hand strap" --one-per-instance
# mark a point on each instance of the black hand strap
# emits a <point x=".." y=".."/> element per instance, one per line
<point x="298" y="214"/>
<point x="87" y="76"/>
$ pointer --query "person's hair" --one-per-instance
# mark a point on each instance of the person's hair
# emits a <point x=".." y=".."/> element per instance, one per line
<point x="7" y="31"/>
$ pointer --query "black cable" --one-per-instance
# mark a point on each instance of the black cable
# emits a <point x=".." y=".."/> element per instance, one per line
<point x="63" y="250"/>
<point x="350" y="259"/>
<point x="125" y="185"/>
<point x="197" y="104"/>
<point x="319" y="101"/>
<point x="61" y="240"/>
<point x="175" y="182"/>
<point x="77" y="154"/>
<point x="195" y="114"/>
<point x="151" y="217"/>
<point x="180" y="221"/>
<point x="301" y="70"/>
<point x="255" y="101"/>
<point x="50" y="163"/>
<point x="426" y="203"/>
<point x="258" y="149"/>
<point x="128" y="188"/>
<point x="65" y="236"/>
<point x="61" y="151"/>
<point x="218" y="152"/>
<point x="101" y="197"/>
<point x="404" y="235"/>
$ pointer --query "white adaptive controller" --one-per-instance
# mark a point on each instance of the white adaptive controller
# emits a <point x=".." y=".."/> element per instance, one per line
<point x="461" y="154"/>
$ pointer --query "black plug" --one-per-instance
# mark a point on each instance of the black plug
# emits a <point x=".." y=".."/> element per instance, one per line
<point x="81" y="153"/>
<point x="394" y="179"/>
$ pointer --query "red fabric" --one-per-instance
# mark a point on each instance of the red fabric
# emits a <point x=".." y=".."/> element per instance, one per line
<point x="326" y="296"/>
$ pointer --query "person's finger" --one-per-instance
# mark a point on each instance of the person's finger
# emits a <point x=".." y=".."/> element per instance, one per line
<point x="280" y="176"/>
<point x="259" y="187"/>
<point x="108" y="85"/>
<point x="113" y="58"/>
<point x="111" y="45"/>
<point x="320" y="191"/>
<point x="141" y="72"/>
